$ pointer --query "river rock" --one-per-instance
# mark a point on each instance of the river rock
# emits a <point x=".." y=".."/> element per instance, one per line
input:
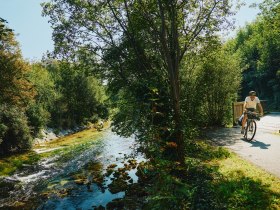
<point x="19" y="204"/>
<point x="7" y="185"/>
<point x="99" y="208"/>
<point x="112" y="166"/>
<point x="79" y="181"/>
<point x="109" y="172"/>
<point x="132" y="161"/>
<point x="98" y="179"/>
<point x="45" y="195"/>
<point x="118" y="185"/>
<point x="115" y="204"/>
<point x="137" y="190"/>
<point x="130" y="180"/>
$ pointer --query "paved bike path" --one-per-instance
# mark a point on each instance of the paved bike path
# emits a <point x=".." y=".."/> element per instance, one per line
<point x="263" y="150"/>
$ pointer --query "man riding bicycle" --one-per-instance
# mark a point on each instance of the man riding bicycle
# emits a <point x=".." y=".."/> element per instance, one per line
<point x="250" y="104"/>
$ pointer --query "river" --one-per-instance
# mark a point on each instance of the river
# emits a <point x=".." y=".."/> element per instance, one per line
<point x="73" y="176"/>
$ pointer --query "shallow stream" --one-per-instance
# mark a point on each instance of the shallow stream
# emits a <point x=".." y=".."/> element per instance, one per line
<point x="72" y="177"/>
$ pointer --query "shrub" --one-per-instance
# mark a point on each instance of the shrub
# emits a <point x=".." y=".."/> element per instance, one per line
<point x="14" y="131"/>
<point x="38" y="118"/>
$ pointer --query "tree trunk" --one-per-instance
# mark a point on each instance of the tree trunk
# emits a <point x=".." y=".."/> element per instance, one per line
<point x="178" y="124"/>
<point x="171" y="52"/>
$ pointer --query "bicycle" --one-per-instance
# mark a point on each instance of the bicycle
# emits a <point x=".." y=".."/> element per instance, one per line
<point x="250" y="125"/>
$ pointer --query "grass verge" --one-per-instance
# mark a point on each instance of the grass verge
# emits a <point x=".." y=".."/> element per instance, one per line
<point x="245" y="185"/>
<point x="212" y="178"/>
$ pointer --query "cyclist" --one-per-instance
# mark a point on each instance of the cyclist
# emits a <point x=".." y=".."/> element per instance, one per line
<point x="250" y="104"/>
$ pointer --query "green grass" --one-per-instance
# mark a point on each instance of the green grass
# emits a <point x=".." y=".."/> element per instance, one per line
<point x="212" y="178"/>
<point x="10" y="164"/>
<point x="237" y="183"/>
<point x="246" y="184"/>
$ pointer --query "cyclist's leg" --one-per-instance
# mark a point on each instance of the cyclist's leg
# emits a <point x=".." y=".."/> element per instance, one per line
<point x="243" y="123"/>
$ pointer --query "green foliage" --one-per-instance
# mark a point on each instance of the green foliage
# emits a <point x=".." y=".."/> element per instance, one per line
<point x="57" y="94"/>
<point x="219" y="80"/>
<point x="204" y="152"/>
<point x="38" y="118"/>
<point x="200" y="184"/>
<point x="140" y="46"/>
<point x="210" y="85"/>
<point x="10" y="164"/>
<point x="258" y="47"/>
<point x="14" y="86"/>
<point x="4" y="30"/>
<point x="38" y="110"/>
<point x="16" y="94"/>
<point x="80" y="98"/>
<point x="244" y="191"/>
<point x="14" y="130"/>
<point x="67" y="96"/>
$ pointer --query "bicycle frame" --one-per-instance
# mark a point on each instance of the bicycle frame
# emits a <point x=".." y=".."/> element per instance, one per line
<point x="251" y="126"/>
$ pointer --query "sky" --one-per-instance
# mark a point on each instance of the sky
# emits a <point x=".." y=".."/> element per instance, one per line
<point x="34" y="33"/>
<point x="246" y="14"/>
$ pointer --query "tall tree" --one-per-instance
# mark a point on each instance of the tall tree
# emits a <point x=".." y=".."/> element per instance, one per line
<point x="258" y="47"/>
<point x="69" y="93"/>
<point x="14" y="85"/>
<point x="16" y="94"/>
<point x="172" y="28"/>
<point x="210" y="83"/>
<point x="4" y="30"/>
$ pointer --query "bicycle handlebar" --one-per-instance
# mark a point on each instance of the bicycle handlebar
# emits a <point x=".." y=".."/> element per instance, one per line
<point x="254" y="115"/>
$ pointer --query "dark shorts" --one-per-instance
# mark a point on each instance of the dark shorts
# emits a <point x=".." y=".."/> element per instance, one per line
<point x="251" y="109"/>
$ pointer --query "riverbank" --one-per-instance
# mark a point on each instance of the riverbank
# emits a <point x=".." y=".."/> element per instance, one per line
<point x="48" y="146"/>
<point x="50" y="134"/>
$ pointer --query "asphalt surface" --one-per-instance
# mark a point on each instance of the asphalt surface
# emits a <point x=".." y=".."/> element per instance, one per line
<point x="263" y="150"/>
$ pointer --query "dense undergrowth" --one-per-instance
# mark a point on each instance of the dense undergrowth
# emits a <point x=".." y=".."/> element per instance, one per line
<point x="211" y="178"/>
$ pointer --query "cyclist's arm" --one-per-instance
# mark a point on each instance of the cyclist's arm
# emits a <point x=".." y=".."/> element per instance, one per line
<point x="260" y="108"/>
<point x="244" y="106"/>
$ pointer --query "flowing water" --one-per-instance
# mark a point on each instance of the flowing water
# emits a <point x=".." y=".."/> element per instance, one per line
<point x="66" y="180"/>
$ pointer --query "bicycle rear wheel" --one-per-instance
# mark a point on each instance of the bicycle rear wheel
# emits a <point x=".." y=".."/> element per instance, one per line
<point x="250" y="130"/>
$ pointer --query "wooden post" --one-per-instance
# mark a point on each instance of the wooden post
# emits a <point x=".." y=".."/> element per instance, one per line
<point x="264" y="106"/>
<point x="237" y="111"/>
<point x="233" y="119"/>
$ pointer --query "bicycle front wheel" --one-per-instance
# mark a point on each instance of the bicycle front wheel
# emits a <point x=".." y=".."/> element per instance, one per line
<point x="250" y="130"/>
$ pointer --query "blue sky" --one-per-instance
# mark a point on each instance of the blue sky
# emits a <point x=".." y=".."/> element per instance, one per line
<point x="34" y="31"/>
<point x="246" y="14"/>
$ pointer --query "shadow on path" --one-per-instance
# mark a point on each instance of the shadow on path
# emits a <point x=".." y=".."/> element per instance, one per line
<point x="224" y="136"/>
<point x="230" y="136"/>
<point x="263" y="150"/>
<point x="261" y="145"/>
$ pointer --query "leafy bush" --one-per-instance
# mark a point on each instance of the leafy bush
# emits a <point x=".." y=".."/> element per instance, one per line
<point x="258" y="46"/>
<point x="77" y="97"/>
<point x="210" y="87"/>
<point x="38" y="118"/>
<point x="14" y="131"/>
